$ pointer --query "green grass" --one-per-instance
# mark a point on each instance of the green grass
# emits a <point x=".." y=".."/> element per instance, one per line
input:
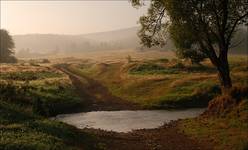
<point x="29" y="75"/>
<point x="160" y="67"/>
<point x="150" y="68"/>
<point x="22" y="130"/>
<point x="194" y="95"/>
<point x="56" y="98"/>
<point x="26" y="100"/>
<point x="161" y="83"/>
<point x="134" y="84"/>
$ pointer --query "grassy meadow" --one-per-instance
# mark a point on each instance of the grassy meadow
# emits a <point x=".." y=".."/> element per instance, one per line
<point x="32" y="92"/>
<point x="161" y="83"/>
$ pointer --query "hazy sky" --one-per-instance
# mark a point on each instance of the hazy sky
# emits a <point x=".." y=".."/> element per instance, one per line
<point x="68" y="17"/>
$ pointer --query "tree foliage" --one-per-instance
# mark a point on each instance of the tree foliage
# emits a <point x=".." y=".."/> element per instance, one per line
<point x="209" y="27"/>
<point x="186" y="44"/>
<point x="154" y="25"/>
<point x="154" y="32"/>
<point x="6" y="47"/>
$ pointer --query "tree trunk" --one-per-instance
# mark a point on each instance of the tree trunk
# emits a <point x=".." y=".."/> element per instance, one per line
<point x="224" y="76"/>
<point x="224" y="71"/>
<point x="222" y="66"/>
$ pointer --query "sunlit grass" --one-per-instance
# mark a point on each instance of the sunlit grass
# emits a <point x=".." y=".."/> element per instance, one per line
<point x="228" y="132"/>
<point x="23" y="126"/>
<point x="162" y="83"/>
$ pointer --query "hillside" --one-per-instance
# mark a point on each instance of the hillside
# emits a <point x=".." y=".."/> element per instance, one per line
<point x="39" y="45"/>
<point x="36" y="45"/>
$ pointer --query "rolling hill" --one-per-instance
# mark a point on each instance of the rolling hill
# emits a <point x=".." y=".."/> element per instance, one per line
<point x="38" y="45"/>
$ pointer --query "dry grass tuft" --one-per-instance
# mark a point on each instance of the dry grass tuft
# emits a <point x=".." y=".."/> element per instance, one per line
<point x="222" y="105"/>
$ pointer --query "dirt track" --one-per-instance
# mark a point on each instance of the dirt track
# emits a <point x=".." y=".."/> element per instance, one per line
<point x="97" y="97"/>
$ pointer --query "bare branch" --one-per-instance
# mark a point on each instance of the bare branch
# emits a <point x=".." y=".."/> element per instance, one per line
<point x="235" y="25"/>
<point x="236" y="44"/>
<point x="161" y="15"/>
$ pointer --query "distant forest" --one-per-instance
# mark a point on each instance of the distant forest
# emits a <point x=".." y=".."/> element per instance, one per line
<point x="42" y="45"/>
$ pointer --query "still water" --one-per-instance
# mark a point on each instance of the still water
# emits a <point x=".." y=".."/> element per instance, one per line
<point x="126" y="121"/>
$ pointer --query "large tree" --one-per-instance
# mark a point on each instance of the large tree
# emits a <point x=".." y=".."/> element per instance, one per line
<point x="186" y="44"/>
<point x="210" y="23"/>
<point x="6" y="47"/>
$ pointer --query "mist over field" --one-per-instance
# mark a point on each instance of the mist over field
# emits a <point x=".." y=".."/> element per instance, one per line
<point x="43" y="45"/>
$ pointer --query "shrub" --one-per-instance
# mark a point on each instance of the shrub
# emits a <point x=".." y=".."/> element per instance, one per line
<point x="45" y="61"/>
<point x="129" y="59"/>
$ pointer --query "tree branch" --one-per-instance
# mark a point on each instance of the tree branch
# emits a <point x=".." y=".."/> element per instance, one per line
<point x="161" y="15"/>
<point x="235" y="25"/>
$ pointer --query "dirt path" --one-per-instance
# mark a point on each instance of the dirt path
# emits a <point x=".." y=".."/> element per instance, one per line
<point x="96" y="96"/>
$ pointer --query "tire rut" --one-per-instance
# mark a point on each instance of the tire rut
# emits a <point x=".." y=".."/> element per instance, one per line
<point x="96" y="96"/>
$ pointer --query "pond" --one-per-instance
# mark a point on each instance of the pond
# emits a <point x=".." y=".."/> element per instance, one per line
<point x="126" y="121"/>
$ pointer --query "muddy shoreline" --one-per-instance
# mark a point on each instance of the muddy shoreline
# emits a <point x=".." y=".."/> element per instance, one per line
<point x="167" y="137"/>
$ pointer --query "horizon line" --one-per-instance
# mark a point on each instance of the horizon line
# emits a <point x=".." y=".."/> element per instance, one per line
<point x="72" y="34"/>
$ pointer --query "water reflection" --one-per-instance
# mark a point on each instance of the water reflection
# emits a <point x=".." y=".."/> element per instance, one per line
<point x="125" y="121"/>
